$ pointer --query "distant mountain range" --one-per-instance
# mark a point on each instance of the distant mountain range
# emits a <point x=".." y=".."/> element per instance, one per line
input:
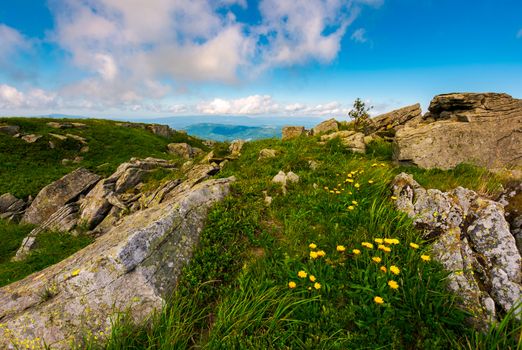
<point x="224" y="132"/>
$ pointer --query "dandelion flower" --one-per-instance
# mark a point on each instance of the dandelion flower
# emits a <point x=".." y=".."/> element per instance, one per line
<point x="356" y="251"/>
<point x="321" y="253"/>
<point x="367" y="245"/>
<point x="356" y="185"/>
<point x="312" y="278"/>
<point x="75" y="272"/>
<point x="351" y="207"/>
<point x="414" y="246"/>
<point x="302" y="274"/>
<point x="378" y="300"/>
<point x="388" y="240"/>
<point x="312" y="246"/>
<point x="349" y="180"/>
<point x="292" y="285"/>
<point x="337" y="192"/>
<point x="340" y="248"/>
<point x="393" y="284"/>
<point x="435" y="214"/>
<point x="378" y="240"/>
<point x="381" y="246"/>
<point x="395" y="270"/>
<point x="393" y="198"/>
<point x="425" y="257"/>
<point x="317" y="285"/>
<point x="386" y="249"/>
<point x="374" y="164"/>
<point x="370" y="181"/>
<point x="313" y="255"/>
<point x="376" y="259"/>
<point x="395" y="241"/>
<point x="326" y="188"/>
<point x="383" y="269"/>
<point x="355" y="203"/>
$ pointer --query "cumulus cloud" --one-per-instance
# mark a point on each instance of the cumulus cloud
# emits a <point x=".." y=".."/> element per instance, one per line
<point x="12" y="98"/>
<point x="255" y="104"/>
<point x="359" y="36"/>
<point x="11" y="40"/>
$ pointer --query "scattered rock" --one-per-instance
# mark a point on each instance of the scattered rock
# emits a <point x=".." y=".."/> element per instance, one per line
<point x="134" y="267"/>
<point x="291" y="132"/>
<point x="267" y="153"/>
<point x="160" y="130"/>
<point x="209" y="143"/>
<point x="84" y="149"/>
<point x="268" y="199"/>
<point x="314" y="165"/>
<point x="31" y="138"/>
<point x="473" y="242"/>
<point x="183" y="150"/>
<point x="11" y="208"/>
<point x="77" y="159"/>
<point x="326" y="126"/>
<point x="10" y="130"/>
<point x="484" y="129"/>
<point x="236" y="147"/>
<point x="58" y="136"/>
<point x="77" y="138"/>
<point x="66" y="161"/>
<point x="410" y="115"/>
<point x="57" y="194"/>
<point x="352" y="140"/>
<point x="285" y="179"/>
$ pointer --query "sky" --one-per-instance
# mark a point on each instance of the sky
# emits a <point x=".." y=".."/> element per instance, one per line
<point x="154" y="58"/>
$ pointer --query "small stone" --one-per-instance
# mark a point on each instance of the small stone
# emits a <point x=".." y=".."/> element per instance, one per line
<point x="267" y="153"/>
<point x="31" y="138"/>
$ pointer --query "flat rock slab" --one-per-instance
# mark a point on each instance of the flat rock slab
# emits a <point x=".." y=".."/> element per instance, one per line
<point x="133" y="267"/>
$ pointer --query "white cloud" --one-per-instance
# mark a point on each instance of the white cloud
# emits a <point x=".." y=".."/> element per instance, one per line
<point x="359" y="36"/>
<point x="255" y="104"/>
<point x="11" y="40"/>
<point x="12" y="98"/>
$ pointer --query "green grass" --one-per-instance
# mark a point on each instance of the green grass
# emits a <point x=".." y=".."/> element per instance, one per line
<point x="235" y="294"/>
<point x="26" y="168"/>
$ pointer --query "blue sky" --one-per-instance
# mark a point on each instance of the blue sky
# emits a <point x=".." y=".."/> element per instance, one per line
<point x="137" y="58"/>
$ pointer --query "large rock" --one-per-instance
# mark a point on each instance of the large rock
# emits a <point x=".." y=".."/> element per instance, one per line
<point x="160" y="130"/>
<point x="409" y="115"/>
<point x="291" y="132"/>
<point x="352" y="140"/>
<point x="95" y="205"/>
<point x="326" y="126"/>
<point x="57" y="194"/>
<point x="473" y="242"/>
<point x="31" y="138"/>
<point x="11" y="208"/>
<point x="235" y="147"/>
<point x="183" y="150"/>
<point x="9" y="129"/>
<point x="484" y="129"/>
<point x="133" y="268"/>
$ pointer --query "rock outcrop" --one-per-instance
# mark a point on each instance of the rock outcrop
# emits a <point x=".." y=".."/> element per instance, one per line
<point x="11" y="208"/>
<point x="352" y="140"/>
<point x="160" y="130"/>
<point x="484" y="129"/>
<point x="235" y="148"/>
<point x="134" y="267"/>
<point x="409" y="115"/>
<point x="10" y="130"/>
<point x="52" y="197"/>
<point x="326" y="126"/>
<point x="291" y="132"/>
<point x="183" y="150"/>
<point x="472" y="241"/>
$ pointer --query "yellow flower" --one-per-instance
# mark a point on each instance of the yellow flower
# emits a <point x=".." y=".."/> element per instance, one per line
<point x="382" y="164"/>
<point x="414" y="246"/>
<point x="75" y="272"/>
<point x="351" y="207"/>
<point x="393" y="198"/>
<point x="313" y="255"/>
<point x="356" y="251"/>
<point x="376" y="259"/>
<point x="321" y="253"/>
<point x="302" y="274"/>
<point x="378" y="240"/>
<point x="395" y="270"/>
<point x="386" y="249"/>
<point x="383" y="269"/>
<point x="370" y="181"/>
<point x="388" y="240"/>
<point x="425" y="257"/>
<point x="393" y="284"/>
<point x="340" y="248"/>
<point x="317" y="285"/>
<point x="367" y="245"/>
<point x="356" y="185"/>
<point x="381" y="246"/>
<point x="331" y="191"/>
<point x="394" y="241"/>
<point x="378" y="300"/>
<point x="292" y="285"/>
<point x="374" y="164"/>
<point x="326" y="188"/>
<point x="435" y="214"/>
<point x="312" y="246"/>
<point x="355" y="203"/>
<point x="337" y="192"/>
<point x="349" y="180"/>
<point x="312" y="278"/>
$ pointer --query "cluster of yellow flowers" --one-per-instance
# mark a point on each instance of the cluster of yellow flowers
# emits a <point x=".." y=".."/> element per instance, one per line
<point x="302" y="275"/>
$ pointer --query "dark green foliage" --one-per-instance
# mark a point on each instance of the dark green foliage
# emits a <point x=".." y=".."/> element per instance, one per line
<point x="360" y="116"/>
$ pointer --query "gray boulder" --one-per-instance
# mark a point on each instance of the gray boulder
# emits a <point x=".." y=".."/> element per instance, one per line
<point x="291" y="132"/>
<point x="10" y="130"/>
<point x="57" y="194"/>
<point x="160" y="130"/>
<point x="326" y="126"/>
<point x="352" y="140"/>
<point x="183" y="150"/>
<point x="409" y="115"/>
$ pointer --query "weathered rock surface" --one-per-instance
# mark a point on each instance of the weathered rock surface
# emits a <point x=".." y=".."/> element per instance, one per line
<point x="291" y="132"/>
<point x="160" y="130"/>
<point x="484" y="129"/>
<point x="352" y="140"/>
<point x="31" y="138"/>
<point x="326" y="126"/>
<point x="409" y="115"/>
<point x="236" y="147"/>
<point x="284" y="179"/>
<point x="57" y="194"/>
<point x="183" y="150"/>
<point x="473" y="242"/>
<point x="10" y="129"/>
<point x="267" y="153"/>
<point x="11" y="208"/>
<point x="134" y="267"/>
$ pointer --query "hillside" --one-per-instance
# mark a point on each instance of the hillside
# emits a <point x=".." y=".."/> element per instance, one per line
<point x="224" y="132"/>
<point x="324" y="260"/>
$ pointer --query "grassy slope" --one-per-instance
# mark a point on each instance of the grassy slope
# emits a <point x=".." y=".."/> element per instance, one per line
<point x="26" y="168"/>
<point x="235" y="294"/>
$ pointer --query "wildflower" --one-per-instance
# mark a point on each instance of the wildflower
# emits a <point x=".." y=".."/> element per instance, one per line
<point x="382" y="164"/>
<point x="340" y="248"/>
<point x="312" y="246"/>
<point x="349" y="174"/>
<point x="312" y="278"/>
<point x="393" y="284"/>
<point x="357" y="185"/>
<point x="367" y="245"/>
<point x="337" y="192"/>
<point x="374" y="164"/>
<point x="332" y="191"/>
<point x="378" y="240"/>
<point x="394" y="241"/>
<point x="321" y="253"/>
<point x="395" y="270"/>
<point x="356" y="251"/>
<point x="376" y="259"/>
<point x="388" y="240"/>
<point x="386" y="249"/>
<point x="425" y="257"/>
<point x="381" y="246"/>
<point x="317" y="285"/>
<point x="370" y="181"/>
<point x="292" y="285"/>
<point x="313" y="255"/>
<point x="351" y="207"/>
<point x="383" y="269"/>
<point x="355" y="203"/>
<point x="75" y="272"/>
<point x="349" y="180"/>
<point x="393" y="198"/>
<point x="414" y="246"/>
<point x="435" y="214"/>
<point x="302" y="274"/>
<point x="326" y="188"/>
<point x="378" y="300"/>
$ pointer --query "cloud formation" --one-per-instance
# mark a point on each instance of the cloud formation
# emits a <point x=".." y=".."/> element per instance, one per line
<point x="359" y="36"/>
